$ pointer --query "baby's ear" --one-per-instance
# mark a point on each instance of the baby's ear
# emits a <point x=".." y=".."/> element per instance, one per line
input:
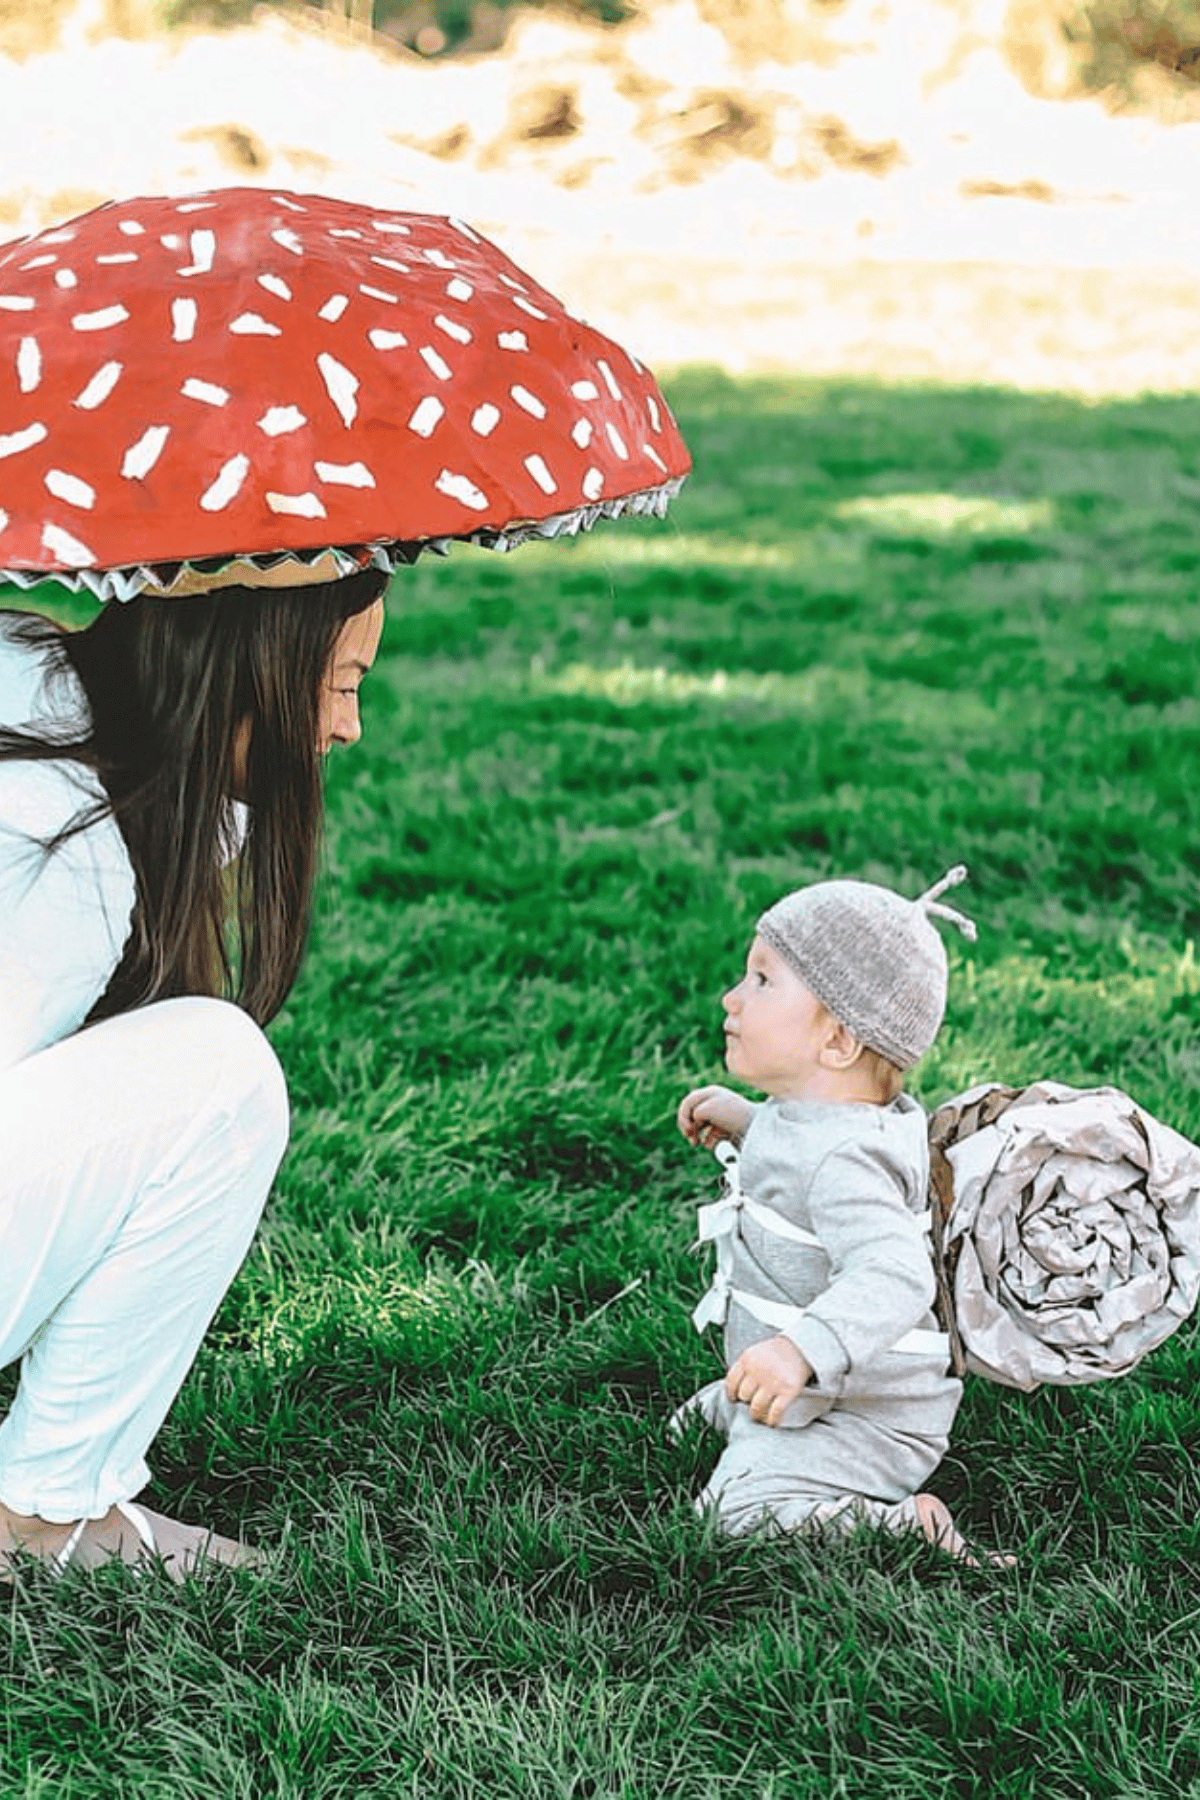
<point x="841" y="1049"/>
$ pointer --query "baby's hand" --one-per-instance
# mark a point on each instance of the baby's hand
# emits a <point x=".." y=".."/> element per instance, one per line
<point x="710" y="1115"/>
<point x="767" y="1378"/>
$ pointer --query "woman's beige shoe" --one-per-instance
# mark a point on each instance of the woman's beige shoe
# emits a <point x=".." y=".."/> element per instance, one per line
<point x="142" y="1539"/>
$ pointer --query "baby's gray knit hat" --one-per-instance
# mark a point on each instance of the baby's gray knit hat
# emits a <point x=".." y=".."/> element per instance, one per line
<point x="871" y="957"/>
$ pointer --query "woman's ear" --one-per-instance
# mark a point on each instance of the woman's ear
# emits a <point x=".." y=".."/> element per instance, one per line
<point x="841" y="1049"/>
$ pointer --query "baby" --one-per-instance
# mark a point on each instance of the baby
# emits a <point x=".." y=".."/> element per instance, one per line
<point x="837" y="1404"/>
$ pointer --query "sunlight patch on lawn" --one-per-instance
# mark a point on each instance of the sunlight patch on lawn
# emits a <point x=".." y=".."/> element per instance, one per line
<point x="628" y="684"/>
<point x="673" y="549"/>
<point x="1154" y="974"/>
<point x="394" y="1301"/>
<point x="821" y="686"/>
<point x="946" y="515"/>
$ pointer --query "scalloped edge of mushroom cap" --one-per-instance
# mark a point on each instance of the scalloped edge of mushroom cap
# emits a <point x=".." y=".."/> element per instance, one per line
<point x="290" y="568"/>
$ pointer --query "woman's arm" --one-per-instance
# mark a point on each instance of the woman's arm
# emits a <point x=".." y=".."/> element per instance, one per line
<point x="64" y="915"/>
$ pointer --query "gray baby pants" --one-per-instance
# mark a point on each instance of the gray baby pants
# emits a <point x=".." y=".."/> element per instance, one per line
<point x="846" y="1465"/>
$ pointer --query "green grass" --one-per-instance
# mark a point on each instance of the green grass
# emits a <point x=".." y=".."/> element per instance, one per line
<point x="884" y="629"/>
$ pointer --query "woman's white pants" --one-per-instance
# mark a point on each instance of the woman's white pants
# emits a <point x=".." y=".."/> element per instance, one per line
<point x="135" y="1160"/>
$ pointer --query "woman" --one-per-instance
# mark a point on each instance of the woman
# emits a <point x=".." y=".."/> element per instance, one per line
<point x="142" y="1115"/>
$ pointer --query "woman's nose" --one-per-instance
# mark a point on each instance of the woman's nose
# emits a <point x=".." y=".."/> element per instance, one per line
<point x="347" y="727"/>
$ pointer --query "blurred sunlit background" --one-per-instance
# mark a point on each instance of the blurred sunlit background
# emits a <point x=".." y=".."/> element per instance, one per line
<point x="999" y="190"/>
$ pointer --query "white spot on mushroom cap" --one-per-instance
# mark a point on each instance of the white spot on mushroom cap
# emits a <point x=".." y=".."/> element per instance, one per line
<point x="440" y="260"/>
<point x="29" y="364"/>
<point x="299" y="506"/>
<point x="485" y="419"/>
<point x="344" y="231"/>
<point x="458" y="487"/>
<point x="280" y="419"/>
<point x="333" y="308"/>
<point x="208" y="391"/>
<point x="100" y="321"/>
<point x="183" y="320"/>
<point x="593" y="484"/>
<point x="355" y="474"/>
<point x="655" y="458"/>
<point x="616" y="440"/>
<point x="3" y="520"/>
<point x="141" y="457"/>
<point x="513" y="340"/>
<point x="66" y="278"/>
<point x="227" y="486"/>
<point x="66" y="236"/>
<point x="534" y="312"/>
<point x="390" y="225"/>
<point x="652" y="409"/>
<point x="253" y="325"/>
<point x="191" y="206"/>
<point x="458" y="289"/>
<point x="459" y="225"/>
<point x="17" y="302"/>
<point x="171" y="240"/>
<point x="286" y="200"/>
<point x="131" y="228"/>
<point x="68" y="549"/>
<point x="275" y="284"/>
<point x="100" y="386"/>
<point x="13" y="442"/>
<point x="541" y="474"/>
<point x="436" y="363"/>
<point x="70" y="488"/>
<point x="528" y="402"/>
<point x="425" y="416"/>
<point x="123" y="256"/>
<point x="387" y="340"/>
<point x="341" y="386"/>
<point x="452" y="328"/>
<point x="389" y="262"/>
<point x="585" y="390"/>
<point x="39" y="262"/>
<point x="581" y="432"/>
<point x="286" y="238"/>
<point x="610" y="380"/>
<point x="374" y="293"/>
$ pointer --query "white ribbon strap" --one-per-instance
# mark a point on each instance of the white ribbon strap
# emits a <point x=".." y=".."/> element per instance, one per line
<point x="719" y="1217"/>
<point x="714" y="1307"/>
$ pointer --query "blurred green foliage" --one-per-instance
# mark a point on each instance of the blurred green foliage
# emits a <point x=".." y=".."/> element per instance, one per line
<point x="437" y="27"/>
<point x="1119" y="37"/>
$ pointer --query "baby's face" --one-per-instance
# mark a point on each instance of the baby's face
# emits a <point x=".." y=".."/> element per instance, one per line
<point x="775" y="1028"/>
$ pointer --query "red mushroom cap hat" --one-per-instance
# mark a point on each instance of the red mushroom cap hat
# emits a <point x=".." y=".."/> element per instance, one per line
<point x="243" y="380"/>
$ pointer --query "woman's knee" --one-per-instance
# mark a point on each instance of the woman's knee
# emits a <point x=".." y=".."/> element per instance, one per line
<point x="248" y="1064"/>
<point x="221" y="1048"/>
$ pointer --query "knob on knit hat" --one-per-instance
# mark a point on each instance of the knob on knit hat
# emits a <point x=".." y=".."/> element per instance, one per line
<point x="873" y="958"/>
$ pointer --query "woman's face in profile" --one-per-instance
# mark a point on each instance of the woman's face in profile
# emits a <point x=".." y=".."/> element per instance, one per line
<point x="353" y="654"/>
<point x="354" y="651"/>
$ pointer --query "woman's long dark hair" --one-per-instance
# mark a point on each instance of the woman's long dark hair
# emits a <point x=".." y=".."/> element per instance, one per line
<point x="183" y="694"/>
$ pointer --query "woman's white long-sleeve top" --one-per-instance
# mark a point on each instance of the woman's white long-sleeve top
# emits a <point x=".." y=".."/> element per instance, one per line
<point x="64" y="916"/>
